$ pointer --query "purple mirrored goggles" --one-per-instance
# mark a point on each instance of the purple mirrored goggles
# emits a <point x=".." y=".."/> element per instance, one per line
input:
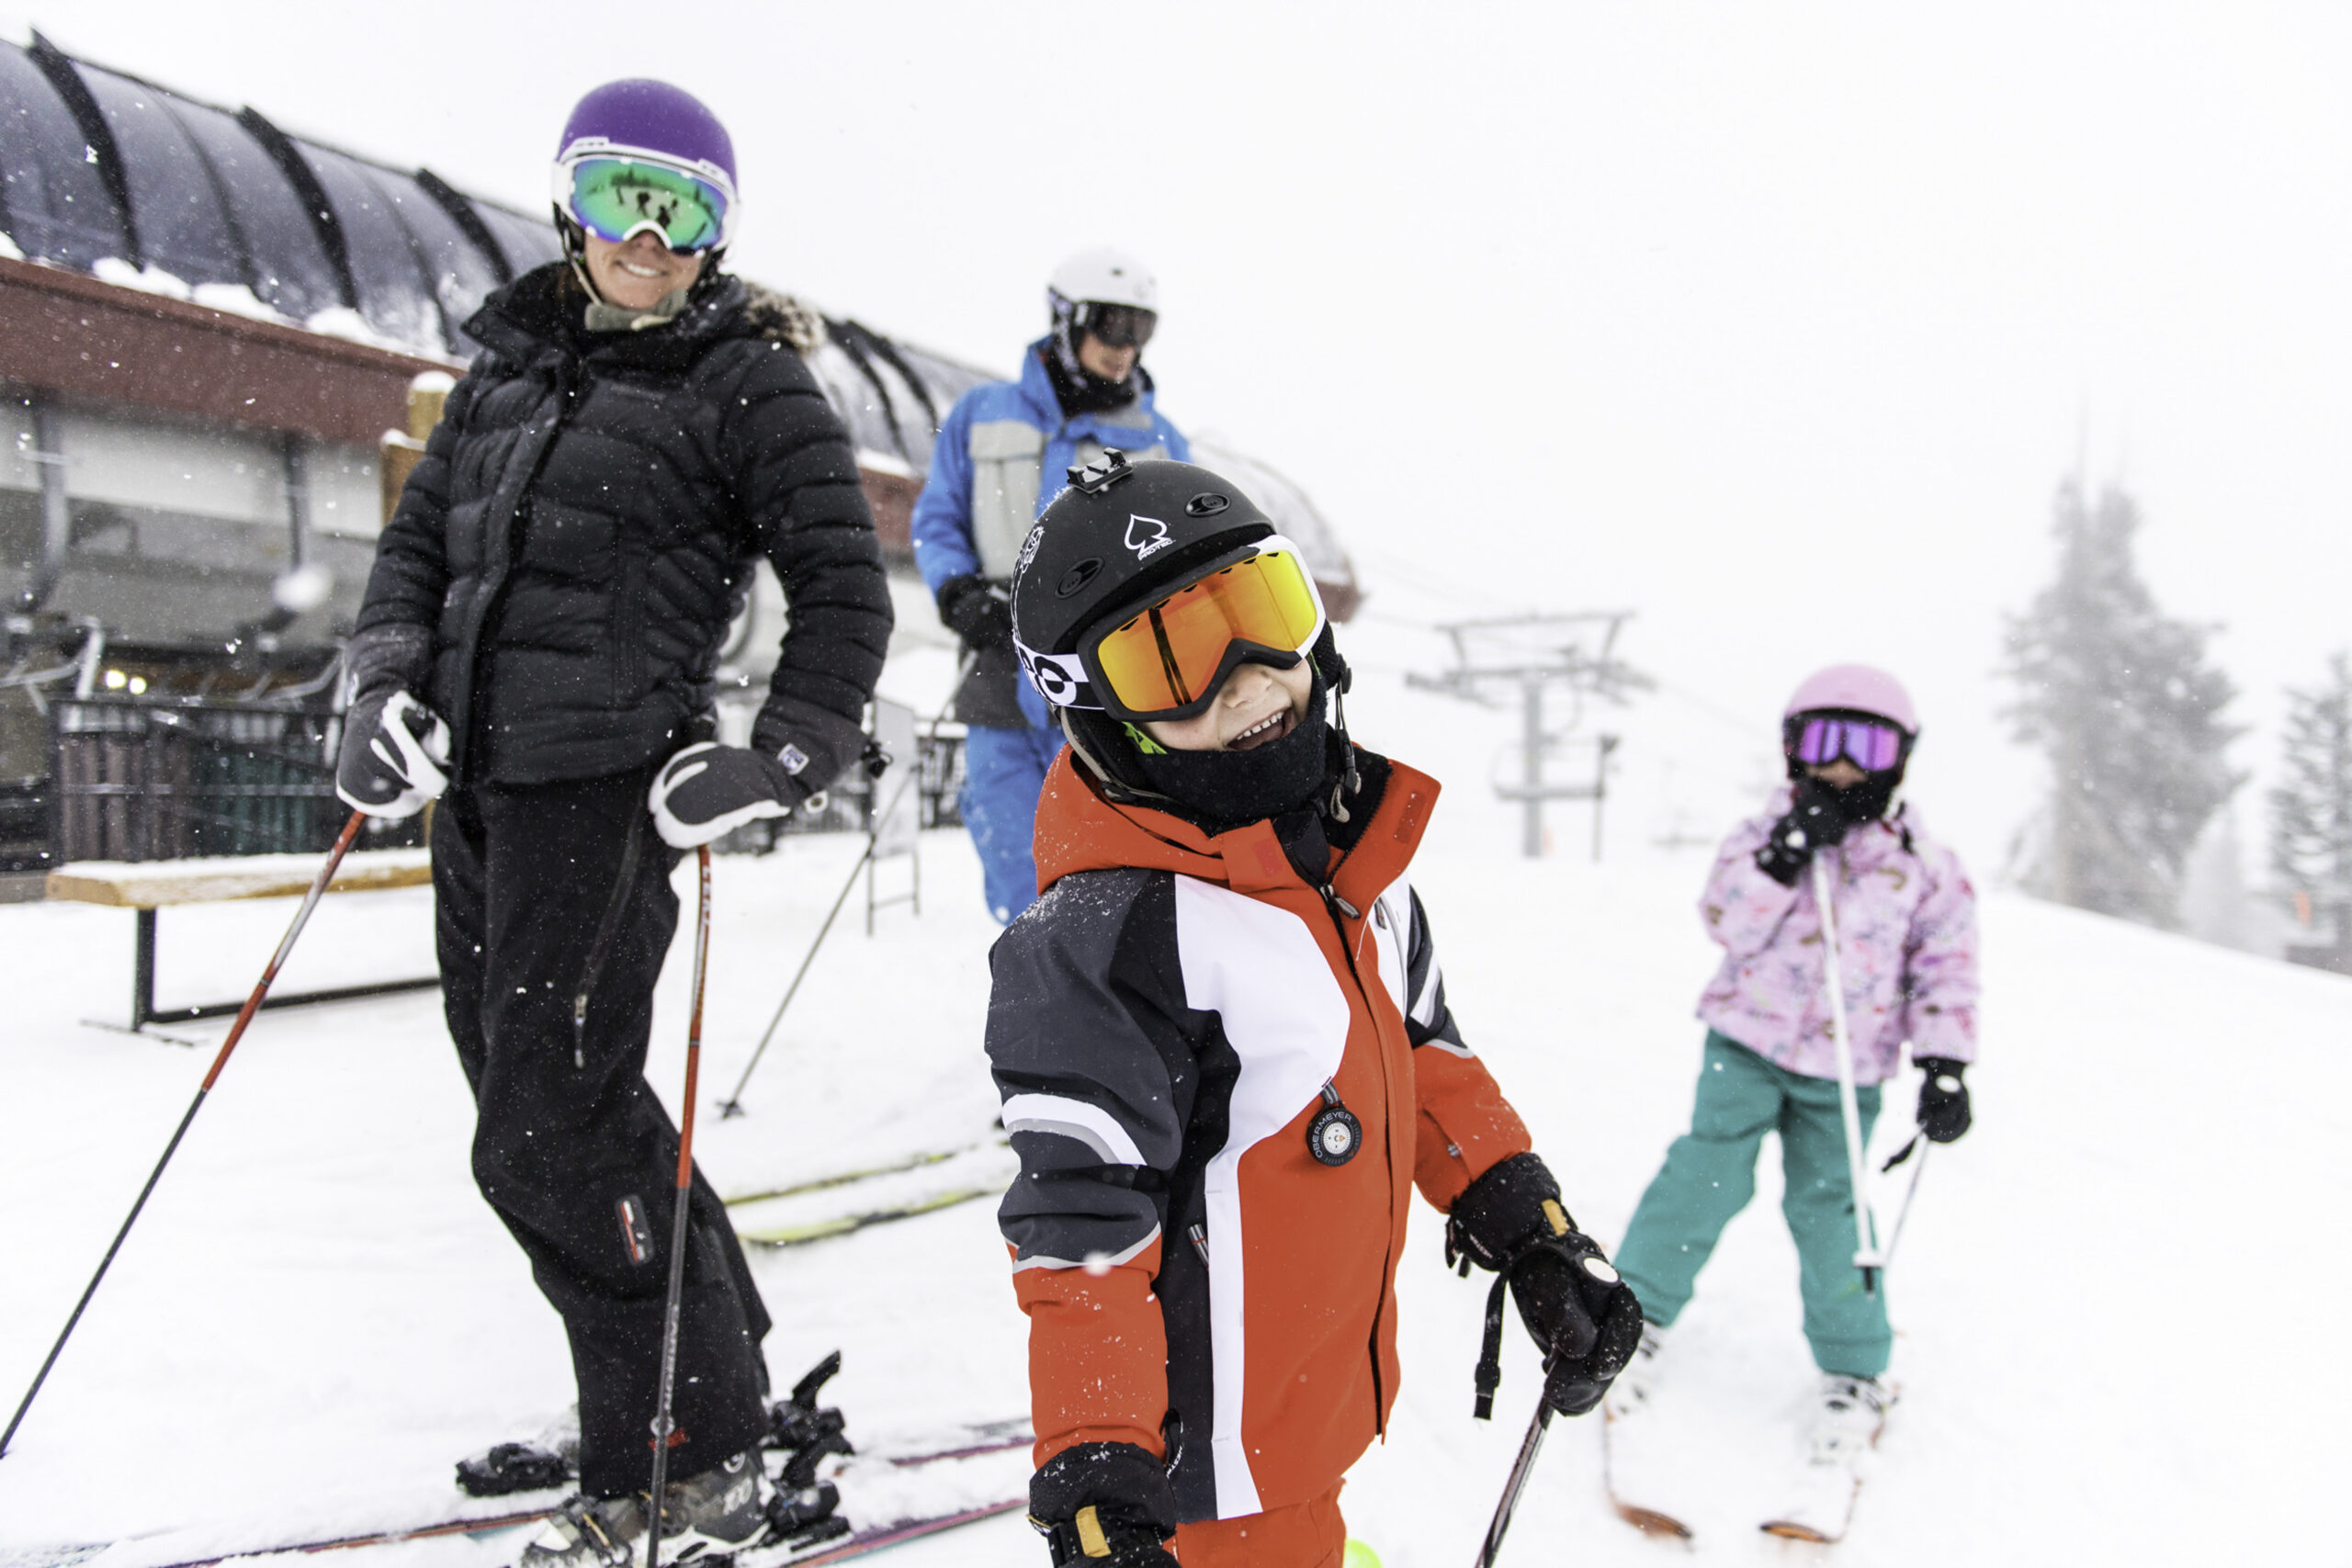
<point x="1873" y="745"/>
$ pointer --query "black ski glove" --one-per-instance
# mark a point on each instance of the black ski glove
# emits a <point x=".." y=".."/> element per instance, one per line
<point x="1572" y="1302"/>
<point x="393" y="753"/>
<point x="1104" y="1503"/>
<point x="707" y="791"/>
<point x="1816" y="817"/>
<point x="1943" y="1100"/>
<point x="976" y="611"/>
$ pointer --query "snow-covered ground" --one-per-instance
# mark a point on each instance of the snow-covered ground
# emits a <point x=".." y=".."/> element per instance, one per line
<point x="2114" y="1299"/>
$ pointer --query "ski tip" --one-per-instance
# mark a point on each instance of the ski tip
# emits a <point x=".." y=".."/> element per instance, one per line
<point x="1650" y="1522"/>
<point x="1789" y="1529"/>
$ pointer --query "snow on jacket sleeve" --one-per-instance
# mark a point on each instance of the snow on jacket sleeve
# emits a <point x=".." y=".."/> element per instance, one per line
<point x="942" y="524"/>
<point x="1743" y="908"/>
<point x="797" y="481"/>
<point x="1097" y="1082"/>
<point x="1940" y="962"/>
<point x="1466" y="1126"/>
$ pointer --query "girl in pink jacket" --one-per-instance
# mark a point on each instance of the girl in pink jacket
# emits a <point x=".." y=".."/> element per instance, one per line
<point x="1906" y="944"/>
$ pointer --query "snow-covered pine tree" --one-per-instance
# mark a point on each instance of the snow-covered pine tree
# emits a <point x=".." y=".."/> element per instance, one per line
<point x="2121" y="701"/>
<point x="2311" y="808"/>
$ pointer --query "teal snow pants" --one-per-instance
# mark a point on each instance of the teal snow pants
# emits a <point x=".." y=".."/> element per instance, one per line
<point x="1710" y="1174"/>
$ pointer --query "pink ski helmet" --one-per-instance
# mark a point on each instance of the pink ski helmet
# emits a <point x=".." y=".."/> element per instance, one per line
<point x="1855" y="688"/>
<point x="1850" y="711"/>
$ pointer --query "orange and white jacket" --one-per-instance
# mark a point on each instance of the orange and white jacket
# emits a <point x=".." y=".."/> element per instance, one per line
<point x="1163" y="1025"/>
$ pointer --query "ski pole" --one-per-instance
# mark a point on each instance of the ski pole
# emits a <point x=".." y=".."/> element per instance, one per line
<point x="1520" y="1469"/>
<point x="236" y="1032"/>
<point x="733" y="1104"/>
<point x="662" y="1425"/>
<point x="1903" y="1214"/>
<point x="1867" y="1256"/>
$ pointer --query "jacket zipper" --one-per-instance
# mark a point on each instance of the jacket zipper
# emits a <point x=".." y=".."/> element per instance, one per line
<point x="494" y="587"/>
<point x="1333" y="905"/>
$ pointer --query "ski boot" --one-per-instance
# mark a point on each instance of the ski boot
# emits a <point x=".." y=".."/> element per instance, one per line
<point x="1849" y="1414"/>
<point x="707" y="1518"/>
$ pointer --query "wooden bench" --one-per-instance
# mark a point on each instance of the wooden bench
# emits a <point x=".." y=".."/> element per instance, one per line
<point x="147" y="887"/>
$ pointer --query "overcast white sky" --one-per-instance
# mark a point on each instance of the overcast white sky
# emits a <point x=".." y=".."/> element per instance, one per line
<point x="1779" y="323"/>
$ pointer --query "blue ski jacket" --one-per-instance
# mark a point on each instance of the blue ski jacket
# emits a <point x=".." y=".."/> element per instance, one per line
<point x="1001" y="455"/>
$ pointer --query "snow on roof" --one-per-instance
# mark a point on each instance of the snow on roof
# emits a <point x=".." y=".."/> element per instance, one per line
<point x="105" y="174"/>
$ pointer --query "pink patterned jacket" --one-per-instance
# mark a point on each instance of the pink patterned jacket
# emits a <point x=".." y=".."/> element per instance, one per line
<point x="1906" y="942"/>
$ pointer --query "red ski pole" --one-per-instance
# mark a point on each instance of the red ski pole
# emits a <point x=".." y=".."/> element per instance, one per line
<point x="662" y="1425"/>
<point x="236" y="1032"/>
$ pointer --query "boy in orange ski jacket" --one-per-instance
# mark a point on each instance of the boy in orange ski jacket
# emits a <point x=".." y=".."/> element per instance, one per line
<point x="1225" y="1057"/>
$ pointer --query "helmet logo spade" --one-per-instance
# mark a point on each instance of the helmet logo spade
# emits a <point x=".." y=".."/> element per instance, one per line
<point x="1145" y="535"/>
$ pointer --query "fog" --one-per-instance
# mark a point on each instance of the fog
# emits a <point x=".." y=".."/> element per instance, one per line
<point x="1776" y="324"/>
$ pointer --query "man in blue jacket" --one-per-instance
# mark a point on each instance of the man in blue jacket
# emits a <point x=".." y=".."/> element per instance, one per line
<point x="1002" y="455"/>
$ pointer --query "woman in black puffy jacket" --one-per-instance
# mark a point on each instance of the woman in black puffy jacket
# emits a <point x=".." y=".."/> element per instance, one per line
<point x="542" y="629"/>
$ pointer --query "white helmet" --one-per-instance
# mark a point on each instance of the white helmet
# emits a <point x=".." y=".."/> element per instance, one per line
<point x="1104" y="276"/>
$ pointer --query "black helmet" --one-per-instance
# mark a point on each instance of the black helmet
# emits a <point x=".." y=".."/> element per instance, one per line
<point x="1111" y="542"/>
<point x="1123" y="536"/>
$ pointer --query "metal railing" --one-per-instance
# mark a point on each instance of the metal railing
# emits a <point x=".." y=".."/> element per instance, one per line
<point x="133" y="778"/>
<point x="140" y="779"/>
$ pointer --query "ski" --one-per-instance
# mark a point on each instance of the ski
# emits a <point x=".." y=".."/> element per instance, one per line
<point x="895" y="1168"/>
<point x="1620" y="1474"/>
<point x="843" y="1224"/>
<point x="1822" y="1516"/>
<point x="961" y="1442"/>
<point x="858" y="1543"/>
<point x="1823" y="1506"/>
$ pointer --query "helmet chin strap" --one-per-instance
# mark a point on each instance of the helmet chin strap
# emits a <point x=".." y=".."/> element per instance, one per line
<point x="580" y="271"/>
<point x="1114" y="788"/>
<point x="575" y="250"/>
<point x="1339" y="675"/>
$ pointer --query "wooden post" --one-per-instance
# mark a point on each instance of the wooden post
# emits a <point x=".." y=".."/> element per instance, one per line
<point x="398" y="451"/>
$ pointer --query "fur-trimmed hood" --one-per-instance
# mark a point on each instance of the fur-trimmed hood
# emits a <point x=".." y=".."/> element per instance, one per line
<point x="783" y="318"/>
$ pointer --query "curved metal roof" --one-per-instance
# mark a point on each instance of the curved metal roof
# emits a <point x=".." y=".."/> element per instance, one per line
<point x="97" y="165"/>
<point x="103" y="172"/>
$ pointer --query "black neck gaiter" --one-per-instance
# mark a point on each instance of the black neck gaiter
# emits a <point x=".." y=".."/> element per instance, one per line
<point x="1220" y="790"/>
<point x="1080" y="391"/>
<point x="1866" y="801"/>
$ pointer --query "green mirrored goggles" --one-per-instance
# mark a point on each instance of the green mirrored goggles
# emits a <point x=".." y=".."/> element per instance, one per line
<point x="618" y="198"/>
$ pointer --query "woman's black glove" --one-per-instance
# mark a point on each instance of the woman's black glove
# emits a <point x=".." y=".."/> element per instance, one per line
<point x="394" y="754"/>
<point x="1943" y="1098"/>
<point x="1104" y="1503"/>
<point x="1572" y="1302"/>
<point x="706" y="791"/>
<point x="976" y="611"/>
<point x="1816" y="817"/>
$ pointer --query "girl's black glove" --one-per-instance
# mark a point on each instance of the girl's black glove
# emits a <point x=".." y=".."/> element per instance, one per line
<point x="1943" y="1100"/>
<point x="1572" y="1302"/>
<point x="1106" y="1503"/>
<point x="1816" y="817"/>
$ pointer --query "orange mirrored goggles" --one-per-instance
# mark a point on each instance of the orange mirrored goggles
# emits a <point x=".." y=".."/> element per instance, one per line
<point x="1169" y="659"/>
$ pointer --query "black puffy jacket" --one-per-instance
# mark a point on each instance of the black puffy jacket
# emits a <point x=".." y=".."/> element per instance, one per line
<point x="565" y="560"/>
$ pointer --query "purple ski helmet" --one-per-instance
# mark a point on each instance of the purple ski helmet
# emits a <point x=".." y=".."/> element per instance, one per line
<point x="669" y="134"/>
